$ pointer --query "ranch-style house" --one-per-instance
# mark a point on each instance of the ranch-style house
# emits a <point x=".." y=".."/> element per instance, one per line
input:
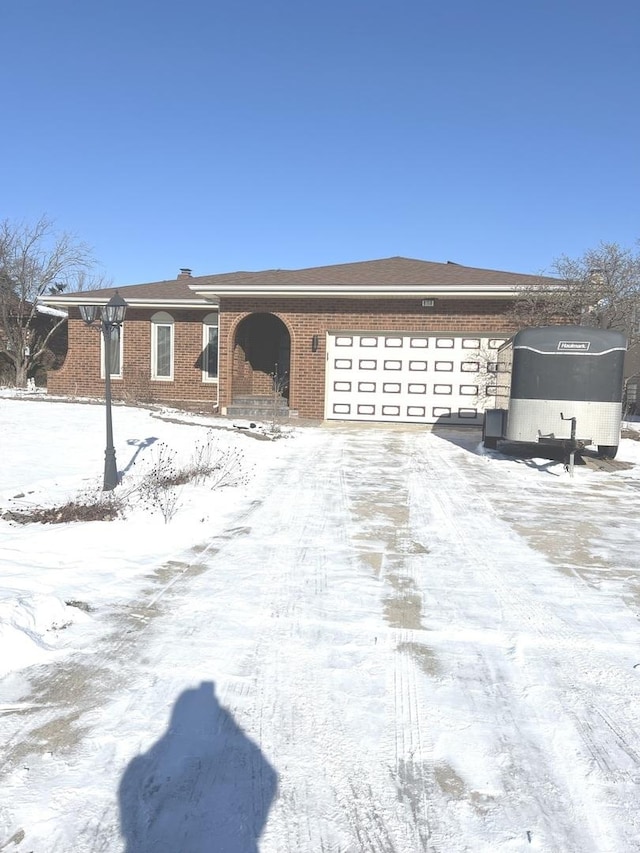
<point x="385" y="340"/>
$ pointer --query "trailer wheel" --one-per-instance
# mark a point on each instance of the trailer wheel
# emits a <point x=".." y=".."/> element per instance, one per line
<point x="607" y="451"/>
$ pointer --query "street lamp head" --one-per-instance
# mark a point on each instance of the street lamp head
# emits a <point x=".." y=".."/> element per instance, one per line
<point x="88" y="313"/>
<point x="114" y="311"/>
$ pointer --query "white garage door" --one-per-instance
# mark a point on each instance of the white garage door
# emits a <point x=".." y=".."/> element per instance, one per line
<point x="409" y="378"/>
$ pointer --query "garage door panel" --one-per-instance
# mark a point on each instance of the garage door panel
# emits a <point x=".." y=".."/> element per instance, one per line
<point x="405" y="378"/>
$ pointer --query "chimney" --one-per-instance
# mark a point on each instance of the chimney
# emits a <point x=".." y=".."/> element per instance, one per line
<point x="184" y="273"/>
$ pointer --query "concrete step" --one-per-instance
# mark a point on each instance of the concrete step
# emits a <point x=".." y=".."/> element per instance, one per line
<point x="259" y="399"/>
<point x="258" y="407"/>
<point x="256" y="414"/>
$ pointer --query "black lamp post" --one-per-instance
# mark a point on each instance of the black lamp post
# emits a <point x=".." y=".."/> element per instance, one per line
<point x="111" y="318"/>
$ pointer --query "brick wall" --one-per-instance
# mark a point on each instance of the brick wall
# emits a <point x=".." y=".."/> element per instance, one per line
<point x="306" y="318"/>
<point x="80" y="374"/>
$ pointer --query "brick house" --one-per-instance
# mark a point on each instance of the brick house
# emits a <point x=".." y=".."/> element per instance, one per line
<point x="385" y="340"/>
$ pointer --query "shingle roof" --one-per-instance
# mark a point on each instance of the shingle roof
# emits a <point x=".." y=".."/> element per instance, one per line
<point x="388" y="272"/>
<point x="174" y="289"/>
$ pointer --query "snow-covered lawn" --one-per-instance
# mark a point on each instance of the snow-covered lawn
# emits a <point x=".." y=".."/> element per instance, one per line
<point x="373" y="639"/>
<point x="53" y="452"/>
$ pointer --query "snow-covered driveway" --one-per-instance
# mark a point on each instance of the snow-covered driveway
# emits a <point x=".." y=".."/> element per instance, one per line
<point x="397" y="644"/>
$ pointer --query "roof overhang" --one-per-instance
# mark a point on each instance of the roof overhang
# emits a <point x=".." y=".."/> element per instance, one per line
<point x="76" y="300"/>
<point x="381" y="291"/>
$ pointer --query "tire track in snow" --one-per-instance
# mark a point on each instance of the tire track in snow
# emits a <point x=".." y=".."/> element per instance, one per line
<point x="348" y="802"/>
<point x="462" y="507"/>
<point x="546" y="624"/>
<point x="413" y="751"/>
<point x="386" y="512"/>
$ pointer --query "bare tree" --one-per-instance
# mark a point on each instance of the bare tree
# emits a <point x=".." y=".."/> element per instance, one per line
<point x="601" y="289"/>
<point x="35" y="260"/>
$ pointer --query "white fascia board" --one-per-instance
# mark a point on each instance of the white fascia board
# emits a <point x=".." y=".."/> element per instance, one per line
<point x="75" y="301"/>
<point x="413" y="291"/>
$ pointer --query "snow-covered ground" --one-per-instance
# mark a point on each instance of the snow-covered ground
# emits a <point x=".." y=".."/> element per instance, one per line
<point x="374" y="639"/>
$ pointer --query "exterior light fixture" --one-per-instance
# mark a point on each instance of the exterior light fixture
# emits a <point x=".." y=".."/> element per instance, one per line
<point x="114" y="311"/>
<point x="110" y="317"/>
<point x="314" y="343"/>
<point x="89" y="313"/>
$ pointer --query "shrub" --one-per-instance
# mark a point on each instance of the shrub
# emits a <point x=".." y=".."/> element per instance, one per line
<point x="159" y="489"/>
<point x="101" y="509"/>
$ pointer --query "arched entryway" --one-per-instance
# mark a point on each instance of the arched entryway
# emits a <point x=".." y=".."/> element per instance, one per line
<point x="261" y="357"/>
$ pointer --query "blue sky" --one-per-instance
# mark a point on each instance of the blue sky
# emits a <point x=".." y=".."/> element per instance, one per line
<point x="252" y="134"/>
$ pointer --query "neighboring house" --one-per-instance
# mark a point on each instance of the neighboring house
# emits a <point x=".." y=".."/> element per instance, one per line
<point x="386" y="340"/>
<point x="54" y="353"/>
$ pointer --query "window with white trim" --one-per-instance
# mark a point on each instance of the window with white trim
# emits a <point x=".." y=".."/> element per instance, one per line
<point x="210" y="348"/>
<point x="115" y="353"/>
<point x="162" y="331"/>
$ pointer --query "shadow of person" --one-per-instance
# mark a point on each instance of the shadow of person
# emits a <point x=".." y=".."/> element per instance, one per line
<point x="203" y="787"/>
